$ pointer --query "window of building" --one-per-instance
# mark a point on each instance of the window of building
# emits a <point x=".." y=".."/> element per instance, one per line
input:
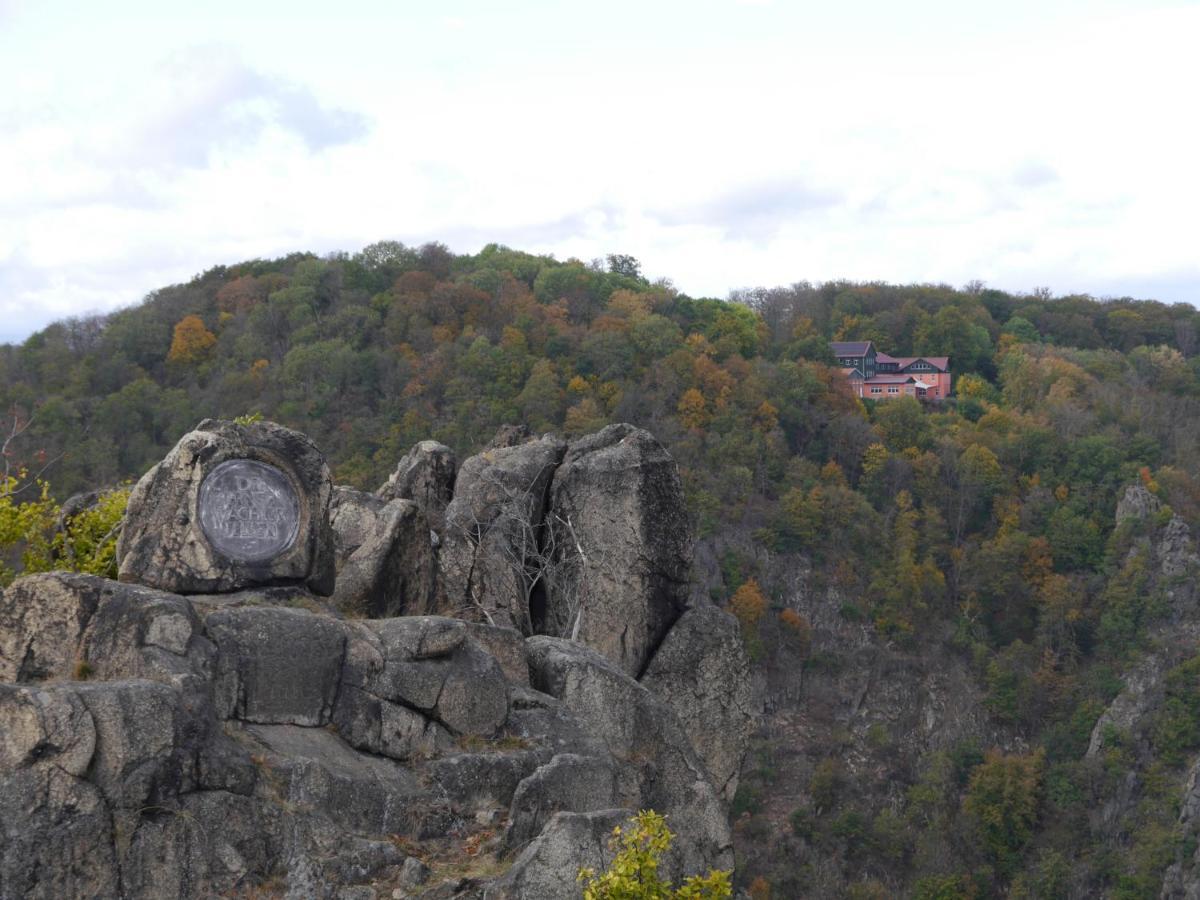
<point x="893" y="390"/>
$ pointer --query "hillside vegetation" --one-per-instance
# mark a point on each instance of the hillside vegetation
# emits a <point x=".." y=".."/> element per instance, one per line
<point x="981" y="530"/>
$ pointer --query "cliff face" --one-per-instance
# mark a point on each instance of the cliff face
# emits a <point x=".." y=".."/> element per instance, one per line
<point x="858" y="769"/>
<point x="212" y="726"/>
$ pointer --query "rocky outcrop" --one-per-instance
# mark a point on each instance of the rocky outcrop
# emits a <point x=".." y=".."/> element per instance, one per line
<point x="286" y="746"/>
<point x="426" y="476"/>
<point x="1176" y="550"/>
<point x="656" y="765"/>
<point x="1137" y="503"/>
<point x="250" y="737"/>
<point x="59" y="626"/>
<point x="492" y="541"/>
<point x="1182" y="879"/>
<point x="548" y="866"/>
<point x="702" y="672"/>
<point x="57" y="830"/>
<point x="294" y="736"/>
<point x="231" y="506"/>
<point x="618" y="503"/>
<point x="384" y="556"/>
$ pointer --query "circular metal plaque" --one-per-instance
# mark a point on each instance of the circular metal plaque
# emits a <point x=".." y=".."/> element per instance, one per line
<point x="248" y="510"/>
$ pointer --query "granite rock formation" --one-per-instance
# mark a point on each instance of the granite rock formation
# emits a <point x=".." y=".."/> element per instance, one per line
<point x="383" y="554"/>
<point x="618" y="496"/>
<point x="214" y="741"/>
<point x="426" y="476"/>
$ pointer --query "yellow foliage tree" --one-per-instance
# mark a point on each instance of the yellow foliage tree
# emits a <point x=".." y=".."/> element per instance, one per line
<point x="692" y="409"/>
<point x="633" y="874"/>
<point x="192" y="342"/>
<point x="585" y="416"/>
<point x="748" y="606"/>
<point x="766" y="417"/>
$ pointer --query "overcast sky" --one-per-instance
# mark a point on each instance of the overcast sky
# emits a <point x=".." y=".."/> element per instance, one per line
<point x="724" y="143"/>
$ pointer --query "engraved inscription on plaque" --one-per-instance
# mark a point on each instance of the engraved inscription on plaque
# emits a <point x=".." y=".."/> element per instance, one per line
<point x="248" y="510"/>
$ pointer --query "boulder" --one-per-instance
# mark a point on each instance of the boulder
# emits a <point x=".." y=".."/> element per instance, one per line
<point x="426" y="476"/>
<point x="479" y="783"/>
<point x="56" y="837"/>
<point x="568" y="783"/>
<point x="146" y="743"/>
<point x="42" y="618"/>
<point x="618" y="513"/>
<point x="656" y="766"/>
<point x="138" y="632"/>
<point x="508" y="648"/>
<point x="428" y="664"/>
<point x="231" y="506"/>
<point x="549" y="866"/>
<point x="384" y="556"/>
<point x="316" y="771"/>
<point x="492" y="540"/>
<point x="702" y="672"/>
<point x="206" y="844"/>
<point x="67" y="625"/>
<point x="51" y="726"/>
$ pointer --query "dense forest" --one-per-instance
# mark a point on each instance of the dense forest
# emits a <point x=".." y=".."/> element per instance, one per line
<point x="983" y="526"/>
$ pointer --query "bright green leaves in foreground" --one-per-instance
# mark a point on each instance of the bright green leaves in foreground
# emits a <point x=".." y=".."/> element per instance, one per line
<point x="30" y="528"/>
<point x="633" y="874"/>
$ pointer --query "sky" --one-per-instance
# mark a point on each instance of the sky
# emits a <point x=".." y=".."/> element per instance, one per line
<point x="724" y="143"/>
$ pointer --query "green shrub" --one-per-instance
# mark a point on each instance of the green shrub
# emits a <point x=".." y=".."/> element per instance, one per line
<point x="633" y="874"/>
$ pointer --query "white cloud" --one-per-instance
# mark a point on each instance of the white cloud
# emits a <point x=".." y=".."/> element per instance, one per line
<point x="1045" y="146"/>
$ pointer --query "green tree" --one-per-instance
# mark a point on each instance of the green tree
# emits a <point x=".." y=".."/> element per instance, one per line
<point x="1022" y="329"/>
<point x="956" y="333"/>
<point x="902" y="424"/>
<point x="541" y="400"/>
<point x="1003" y="798"/>
<point x="908" y="587"/>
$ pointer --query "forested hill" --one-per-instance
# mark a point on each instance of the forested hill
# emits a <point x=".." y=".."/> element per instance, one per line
<point x="372" y="352"/>
<point x="985" y="524"/>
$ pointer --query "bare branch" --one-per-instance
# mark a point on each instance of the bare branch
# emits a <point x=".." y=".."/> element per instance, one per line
<point x="541" y="553"/>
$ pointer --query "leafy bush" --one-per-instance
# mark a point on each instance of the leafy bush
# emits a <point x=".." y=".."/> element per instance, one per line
<point x="633" y="874"/>
<point x="33" y="530"/>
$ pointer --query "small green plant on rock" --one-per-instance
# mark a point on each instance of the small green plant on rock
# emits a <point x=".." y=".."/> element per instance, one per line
<point x="633" y="874"/>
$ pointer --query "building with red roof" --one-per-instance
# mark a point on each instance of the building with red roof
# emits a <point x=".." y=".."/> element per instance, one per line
<point x="878" y="376"/>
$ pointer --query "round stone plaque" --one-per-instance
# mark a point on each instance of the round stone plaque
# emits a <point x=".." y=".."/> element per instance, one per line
<point x="248" y="510"/>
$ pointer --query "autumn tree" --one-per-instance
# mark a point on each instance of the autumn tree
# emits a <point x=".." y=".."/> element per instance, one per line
<point x="693" y="409"/>
<point x="192" y="342"/>
<point x="748" y="605"/>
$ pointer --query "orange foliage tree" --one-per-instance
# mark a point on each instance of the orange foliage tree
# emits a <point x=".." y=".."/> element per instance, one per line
<point x="192" y="342"/>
